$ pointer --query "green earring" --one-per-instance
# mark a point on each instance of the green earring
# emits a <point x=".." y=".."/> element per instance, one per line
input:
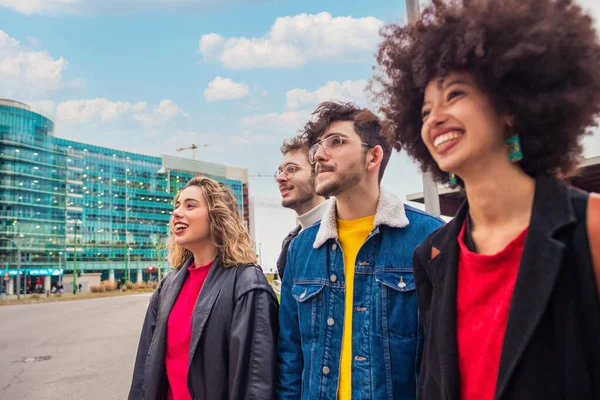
<point x="514" y="148"/>
<point x="452" y="178"/>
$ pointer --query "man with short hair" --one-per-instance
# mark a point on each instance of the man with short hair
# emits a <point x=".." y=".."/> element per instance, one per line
<point x="349" y="326"/>
<point x="296" y="179"/>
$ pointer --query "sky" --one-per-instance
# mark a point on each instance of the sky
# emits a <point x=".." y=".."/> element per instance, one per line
<point x="238" y="76"/>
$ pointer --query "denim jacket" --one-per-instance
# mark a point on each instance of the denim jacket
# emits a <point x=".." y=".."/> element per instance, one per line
<point x="386" y="337"/>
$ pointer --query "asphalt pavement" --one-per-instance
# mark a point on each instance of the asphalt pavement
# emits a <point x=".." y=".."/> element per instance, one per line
<point x="70" y="350"/>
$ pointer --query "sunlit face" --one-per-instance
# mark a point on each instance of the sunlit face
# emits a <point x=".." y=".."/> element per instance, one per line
<point x="461" y="128"/>
<point x="296" y="181"/>
<point x="340" y="168"/>
<point x="190" y="219"/>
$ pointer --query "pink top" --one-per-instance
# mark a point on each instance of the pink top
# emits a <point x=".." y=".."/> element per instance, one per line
<point x="179" y="330"/>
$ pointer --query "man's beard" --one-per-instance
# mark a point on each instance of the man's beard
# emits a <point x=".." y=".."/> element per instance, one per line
<point x="343" y="182"/>
<point x="304" y="193"/>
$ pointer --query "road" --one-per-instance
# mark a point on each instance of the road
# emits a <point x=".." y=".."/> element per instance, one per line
<point x="70" y="350"/>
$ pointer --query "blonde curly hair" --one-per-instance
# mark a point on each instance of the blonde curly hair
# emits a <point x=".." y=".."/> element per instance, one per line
<point x="227" y="230"/>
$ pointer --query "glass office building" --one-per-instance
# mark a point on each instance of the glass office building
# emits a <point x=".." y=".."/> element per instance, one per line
<point x="71" y="205"/>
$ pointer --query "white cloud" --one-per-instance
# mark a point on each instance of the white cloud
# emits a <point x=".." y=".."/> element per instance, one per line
<point x="347" y="91"/>
<point x="29" y="74"/>
<point x="30" y="7"/>
<point x="82" y="111"/>
<point x="223" y="89"/>
<point x="47" y="107"/>
<point x="106" y="111"/>
<point x="166" y="111"/>
<point x="34" y="41"/>
<point x="271" y="128"/>
<point x="297" y="40"/>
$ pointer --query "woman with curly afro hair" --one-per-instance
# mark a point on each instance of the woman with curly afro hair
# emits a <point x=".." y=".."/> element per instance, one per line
<point x="494" y="96"/>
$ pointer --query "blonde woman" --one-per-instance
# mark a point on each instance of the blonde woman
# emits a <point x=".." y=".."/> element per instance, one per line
<point x="211" y="326"/>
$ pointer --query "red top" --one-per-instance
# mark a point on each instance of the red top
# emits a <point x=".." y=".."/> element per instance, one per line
<point x="485" y="288"/>
<point x="179" y="329"/>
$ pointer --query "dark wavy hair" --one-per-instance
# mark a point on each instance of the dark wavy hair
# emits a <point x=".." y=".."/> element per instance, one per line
<point x="367" y="125"/>
<point x="538" y="60"/>
<point x="293" y="144"/>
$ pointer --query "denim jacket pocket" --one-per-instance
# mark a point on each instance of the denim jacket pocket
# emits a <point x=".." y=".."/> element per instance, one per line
<point x="309" y="297"/>
<point x="396" y="312"/>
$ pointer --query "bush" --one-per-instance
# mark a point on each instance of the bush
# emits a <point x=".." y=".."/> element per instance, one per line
<point x="152" y="285"/>
<point x="129" y="285"/>
<point x="34" y="297"/>
<point x="94" y="289"/>
<point x="140" y="285"/>
<point x="109" y="286"/>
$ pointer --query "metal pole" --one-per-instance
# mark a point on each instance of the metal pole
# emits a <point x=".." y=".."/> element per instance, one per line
<point x="128" y="265"/>
<point x="59" y="264"/>
<point x="18" y="265"/>
<point x="19" y="273"/>
<point x="127" y="214"/>
<point x="430" y="189"/>
<point x="412" y="11"/>
<point x="75" y="260"/>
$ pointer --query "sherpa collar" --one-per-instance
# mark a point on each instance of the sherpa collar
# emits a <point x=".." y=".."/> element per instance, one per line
<point x="390" y="212"/>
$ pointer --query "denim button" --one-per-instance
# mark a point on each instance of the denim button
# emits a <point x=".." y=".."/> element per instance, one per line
<point x="333" y="278"/>
<point x="401" y="284"/>
<point x="326" y="370"/>
<point x="330" y="321"/>
<point x="334" y="247"/>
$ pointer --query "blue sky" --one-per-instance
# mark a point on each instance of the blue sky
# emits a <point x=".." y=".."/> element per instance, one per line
<point x="154" y="75"/>
<point x="239" y="76"/>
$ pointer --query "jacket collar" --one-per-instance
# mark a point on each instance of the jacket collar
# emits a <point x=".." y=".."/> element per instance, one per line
<point x="390" y="212"/>
<point x="211" y="288"/>
<point x="538" y="272"/>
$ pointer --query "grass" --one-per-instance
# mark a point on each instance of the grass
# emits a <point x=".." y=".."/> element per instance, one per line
<point x="35" y="298"/>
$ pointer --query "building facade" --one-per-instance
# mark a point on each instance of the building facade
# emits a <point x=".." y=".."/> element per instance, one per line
<point x="72" y="206"/>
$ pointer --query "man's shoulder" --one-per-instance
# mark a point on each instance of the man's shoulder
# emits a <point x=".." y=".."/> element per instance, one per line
<point x="416" y="216"/>
<point x="305" y="238"/>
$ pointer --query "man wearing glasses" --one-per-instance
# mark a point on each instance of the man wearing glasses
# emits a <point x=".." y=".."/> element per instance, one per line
<point x="349" y="326"/>
<point x="296" y="179"/>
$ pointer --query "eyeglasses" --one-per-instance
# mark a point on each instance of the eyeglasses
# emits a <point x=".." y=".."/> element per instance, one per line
<point x="331" y="144"/>
<point x="288" y="171"/>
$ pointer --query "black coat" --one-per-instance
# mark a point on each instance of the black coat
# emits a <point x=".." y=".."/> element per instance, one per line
<point x="233" y="352"/>
<point x="551" y="348"/>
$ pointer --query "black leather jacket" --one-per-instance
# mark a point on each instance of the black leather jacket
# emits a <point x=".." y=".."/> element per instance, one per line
<point x="233" y="343"/>
<point x="551" y="347"/>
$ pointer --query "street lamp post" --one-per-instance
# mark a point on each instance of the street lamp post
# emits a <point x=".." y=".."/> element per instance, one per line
<point x="128" y="264"/>
<point x="430" y="189"/>
<point x="18" y="264"/>
<point x="75" y="228"/>
<point x="127" y="217"/>
<point x="76" y="223"/>
<point x="59" y="267"/>
<point x="159" y="247"/>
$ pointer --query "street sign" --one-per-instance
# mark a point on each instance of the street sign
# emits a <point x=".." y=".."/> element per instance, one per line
<point x="38" y="271"/>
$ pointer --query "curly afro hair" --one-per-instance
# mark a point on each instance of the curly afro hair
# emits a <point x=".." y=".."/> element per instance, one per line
<point x="538" y="60"/>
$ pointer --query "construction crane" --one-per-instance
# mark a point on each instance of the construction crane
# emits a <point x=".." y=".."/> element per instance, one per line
<point x="193" y="147"/>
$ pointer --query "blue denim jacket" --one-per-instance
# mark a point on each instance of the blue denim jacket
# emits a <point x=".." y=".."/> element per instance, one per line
<point x="386" y="335"/>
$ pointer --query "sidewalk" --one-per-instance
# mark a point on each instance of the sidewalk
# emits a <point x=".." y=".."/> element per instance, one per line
<point x="41" y="298"/>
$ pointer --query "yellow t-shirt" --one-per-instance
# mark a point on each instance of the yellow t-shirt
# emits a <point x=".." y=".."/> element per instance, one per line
<point x="352" y="235"/>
